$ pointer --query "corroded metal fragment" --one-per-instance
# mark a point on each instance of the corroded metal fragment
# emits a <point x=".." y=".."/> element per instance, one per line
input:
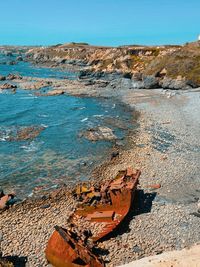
<point x="106" y="205"/>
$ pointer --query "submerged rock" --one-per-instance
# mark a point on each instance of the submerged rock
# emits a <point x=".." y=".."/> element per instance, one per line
<point x="8" y="53"/>
<point x="34" y="85"/>
<point x="99" y="133"/>
<point x="13" y="77"/>
<point x="20" y="134"/>
<point x="19" y="58"/>
<point x="28" y="133"/>
<point x="12" y="63"/>
<point x="52" y="93"/>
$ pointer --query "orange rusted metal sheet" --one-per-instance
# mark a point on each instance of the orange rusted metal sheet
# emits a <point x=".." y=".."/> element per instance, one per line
<point x="108" y="204"/>
<point x="101" y="216"/>
<point x="65" y="249"/>
<point x="119" y="195"/>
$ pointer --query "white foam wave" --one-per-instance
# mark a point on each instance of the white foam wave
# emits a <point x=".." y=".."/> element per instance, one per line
<point x="28" y="97"/>
<point x="113" y="106"/>
<point x="43" y="115"/>
<point x="44" y="125"/>
<point x="85" y="119"/>
<point x="31" y="147"/>
<point x="98" y="116"/>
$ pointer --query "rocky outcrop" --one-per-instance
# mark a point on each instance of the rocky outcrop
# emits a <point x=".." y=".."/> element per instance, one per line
<point x="13" y="76"/>
<point x="19" y="58"/>
<point x="34" y="85"/>
<point x="178" y="83"/>
<point x="168" y="67"/>
<point x="178" y="69"/>
<point x="6" y="86"/>
<point x="21" y="133"/>
<point x="124" y="59"/>
<point x="52" y="93"/>
<point x="99" y="133"/>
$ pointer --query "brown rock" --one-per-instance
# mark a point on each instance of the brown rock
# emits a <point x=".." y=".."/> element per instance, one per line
<point x="26" y="133"/>
<point x="6" y="86"/>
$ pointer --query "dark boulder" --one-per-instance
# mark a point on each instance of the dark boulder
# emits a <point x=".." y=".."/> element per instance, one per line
<point x="19" y="58"/>
<point x="84" y="74"/>
<point x="150" y="82"/>
<point x="12" y="63"/>
<point x="175" y="84"/>
<point x="127" y="75"/>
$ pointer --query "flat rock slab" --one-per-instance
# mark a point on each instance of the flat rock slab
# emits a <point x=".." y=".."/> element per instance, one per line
<point x="182" y="258"/>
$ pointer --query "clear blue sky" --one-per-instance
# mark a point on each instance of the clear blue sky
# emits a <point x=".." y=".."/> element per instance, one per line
<point x="102" y="22"/>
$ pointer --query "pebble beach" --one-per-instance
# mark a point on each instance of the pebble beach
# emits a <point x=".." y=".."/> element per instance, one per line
<point x="167" y="153"/>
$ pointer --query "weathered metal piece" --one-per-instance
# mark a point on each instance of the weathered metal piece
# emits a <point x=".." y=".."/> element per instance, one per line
<point x="108" y="204"/>
<point x="66" y="249"/>
<point x="118" y="195"/>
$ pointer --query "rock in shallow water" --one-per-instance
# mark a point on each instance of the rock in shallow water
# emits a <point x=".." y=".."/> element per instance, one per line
<point x="99" y="133"/>
<point x="21" y="133"/>
<point x="6" y="86"/>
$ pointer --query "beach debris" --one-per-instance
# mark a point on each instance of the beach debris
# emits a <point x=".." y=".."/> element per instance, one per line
<point x="101" y="209"/>
<point x="66" y="248"/>
<point x="6" y="200"/>
<point x="109" y="203"/>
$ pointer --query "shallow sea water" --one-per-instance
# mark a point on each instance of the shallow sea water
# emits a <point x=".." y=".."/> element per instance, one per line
<point x="57" y="155"/>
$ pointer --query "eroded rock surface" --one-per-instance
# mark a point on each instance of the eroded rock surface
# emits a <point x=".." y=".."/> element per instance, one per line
<point x="20" y="133"/>
<point x="99" y="133"/>
<point x="6" y="86"/>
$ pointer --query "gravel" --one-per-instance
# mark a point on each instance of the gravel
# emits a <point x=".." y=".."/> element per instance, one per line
<point x="166" y="148"/>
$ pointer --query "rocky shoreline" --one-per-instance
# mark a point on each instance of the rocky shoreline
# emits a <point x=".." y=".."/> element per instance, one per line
<point x="161" y="219"/>
<point x="168" y="67"/>
<point x="165" y="147"/>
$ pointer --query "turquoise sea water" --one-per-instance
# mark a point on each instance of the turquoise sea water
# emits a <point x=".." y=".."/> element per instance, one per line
<point x="58" y="155"/>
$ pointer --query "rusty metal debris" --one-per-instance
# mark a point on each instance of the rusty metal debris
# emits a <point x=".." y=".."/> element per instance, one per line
<point x="106" y="205"/>
<point x="66" y="249"/>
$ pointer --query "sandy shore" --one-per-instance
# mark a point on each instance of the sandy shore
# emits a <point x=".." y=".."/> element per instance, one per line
<point x="166" y="148"/>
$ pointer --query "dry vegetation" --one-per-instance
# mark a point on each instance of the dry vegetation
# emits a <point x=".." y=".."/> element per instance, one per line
<point x="183" y="62"/>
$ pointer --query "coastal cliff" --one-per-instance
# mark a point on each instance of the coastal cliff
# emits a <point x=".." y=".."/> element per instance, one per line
<point x="169" y="67"/>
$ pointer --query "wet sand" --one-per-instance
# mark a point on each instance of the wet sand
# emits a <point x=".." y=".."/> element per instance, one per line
<point x="166" y="148"/>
